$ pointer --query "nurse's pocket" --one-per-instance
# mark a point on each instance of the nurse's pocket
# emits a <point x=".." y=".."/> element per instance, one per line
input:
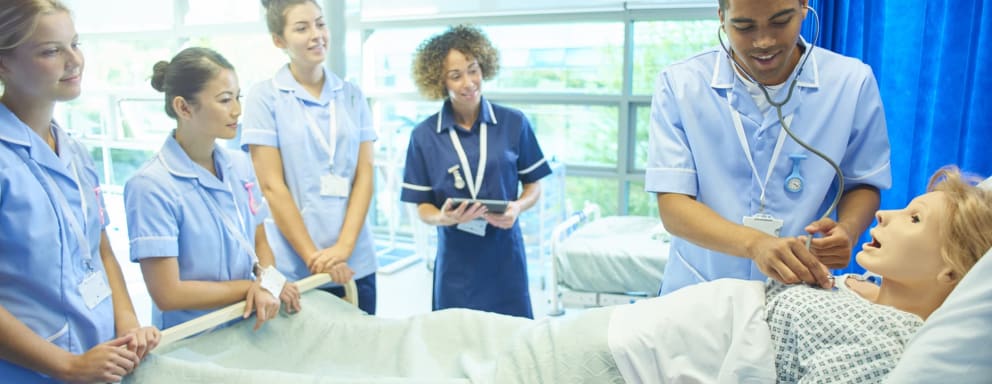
<point x="58" y="337"/>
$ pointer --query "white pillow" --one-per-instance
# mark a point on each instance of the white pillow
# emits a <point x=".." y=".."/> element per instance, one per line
<point x="987" y="184"/>
<point x="955" y="343"/>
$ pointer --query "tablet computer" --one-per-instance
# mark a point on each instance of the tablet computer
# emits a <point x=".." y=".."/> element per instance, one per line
<point x="493" y="206"/>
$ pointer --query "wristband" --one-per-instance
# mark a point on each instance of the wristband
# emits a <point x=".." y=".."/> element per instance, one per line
<point x="272" y="280"/>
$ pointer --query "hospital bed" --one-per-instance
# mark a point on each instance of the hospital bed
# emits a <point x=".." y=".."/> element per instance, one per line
<point x="605" y="261"/>
<point x="331" y="341"/>
<point x="236" y="310"/>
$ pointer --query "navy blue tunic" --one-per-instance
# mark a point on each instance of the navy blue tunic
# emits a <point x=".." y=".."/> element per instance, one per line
<point x="486" y="273"/>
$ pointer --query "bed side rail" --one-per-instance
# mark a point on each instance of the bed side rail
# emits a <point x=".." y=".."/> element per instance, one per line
<point x="236" y="310"/>
<point x="589" y="213"/>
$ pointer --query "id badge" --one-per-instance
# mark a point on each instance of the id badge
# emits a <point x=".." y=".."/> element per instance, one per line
<point x="764" y="223"/>
<point x="334" y="185"/>
<point x="476" y="227"/>
<point x="94" y="289"/>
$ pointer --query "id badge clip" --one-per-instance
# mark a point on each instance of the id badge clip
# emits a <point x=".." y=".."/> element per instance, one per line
<point x="764" y="223"/>
<point x="334" y="185"/>
<point x="94" y="289"/>
<point x="476" y="227"/>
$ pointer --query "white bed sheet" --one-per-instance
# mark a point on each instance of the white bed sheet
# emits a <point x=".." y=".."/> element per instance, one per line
<point x="333" y="342"/>
<point x="615" y="254"/>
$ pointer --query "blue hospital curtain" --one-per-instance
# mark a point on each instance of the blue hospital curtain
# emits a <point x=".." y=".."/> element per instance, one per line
<point x="932" y="60"/>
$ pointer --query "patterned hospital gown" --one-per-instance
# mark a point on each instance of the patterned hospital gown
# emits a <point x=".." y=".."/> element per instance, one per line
<point x="835" y="336"/>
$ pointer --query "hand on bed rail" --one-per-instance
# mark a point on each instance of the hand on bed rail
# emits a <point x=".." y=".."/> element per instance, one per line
<point x="332" y="261"/>
<point x="290" y="298"/>
<point x="262" y="302"/>
<point x="145" y="339"/>
<point x="236" y="310"/>
<point x="106" y="362"/>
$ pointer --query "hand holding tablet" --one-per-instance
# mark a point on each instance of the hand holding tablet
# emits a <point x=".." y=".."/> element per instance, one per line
<point x="492" y="206"/>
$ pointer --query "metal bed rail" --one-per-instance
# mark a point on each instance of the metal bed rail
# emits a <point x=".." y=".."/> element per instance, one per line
<point x="588" y="213"/>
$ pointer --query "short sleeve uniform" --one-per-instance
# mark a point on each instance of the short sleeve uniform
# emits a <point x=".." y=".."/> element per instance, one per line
<point x="695" y="148"/>
<point x="280" y="113"/>
<point x="51" y="222"/>
<point x="486" y="273"/>
<point x="176" y="208"/>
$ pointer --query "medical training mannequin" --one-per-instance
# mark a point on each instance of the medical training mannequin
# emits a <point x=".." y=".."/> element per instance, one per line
<point x="194" y="211"/>
<point x="65" y="313"/>
<point x="921" y="252"/>
<point x="856" y="333"/>
<point x="310" y="135"/>
<point x="737" y="202"/>
<point x="480" y="262"/>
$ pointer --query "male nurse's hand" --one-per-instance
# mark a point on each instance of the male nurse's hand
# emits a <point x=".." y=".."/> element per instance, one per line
<point x="786" y="259"/>
<point x="506" y="219"/>
<point x="834" y="248"/>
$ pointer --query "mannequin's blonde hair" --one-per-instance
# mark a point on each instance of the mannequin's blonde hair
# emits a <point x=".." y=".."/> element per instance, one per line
<point x="967" y="232"/>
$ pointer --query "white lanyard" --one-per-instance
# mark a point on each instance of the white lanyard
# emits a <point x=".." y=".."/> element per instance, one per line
<point x="747" y="151"/>
<point x="77" y="229"/>
<point x="82" y="198"/>
<point x="330" y="144"/>
<point x="474" y="185"/>
<point x="239" y="235"/>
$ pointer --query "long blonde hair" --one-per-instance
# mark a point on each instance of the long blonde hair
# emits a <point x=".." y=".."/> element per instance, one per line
<point x="19" y="19"/>
<point x="967" y="233"/>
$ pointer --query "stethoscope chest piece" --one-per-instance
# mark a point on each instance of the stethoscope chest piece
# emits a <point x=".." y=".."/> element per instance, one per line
<point x="794" y="182"/>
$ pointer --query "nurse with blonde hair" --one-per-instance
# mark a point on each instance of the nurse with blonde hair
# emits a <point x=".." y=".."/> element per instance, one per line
<point x="310" y="136"/>
<point x="65" y="313"/>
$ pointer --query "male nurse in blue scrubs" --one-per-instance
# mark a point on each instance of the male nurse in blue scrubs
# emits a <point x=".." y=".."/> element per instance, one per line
<point x="739" y="195"/>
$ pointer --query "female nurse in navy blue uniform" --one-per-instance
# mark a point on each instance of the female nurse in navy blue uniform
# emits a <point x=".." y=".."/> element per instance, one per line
<point x="475" y="149"/>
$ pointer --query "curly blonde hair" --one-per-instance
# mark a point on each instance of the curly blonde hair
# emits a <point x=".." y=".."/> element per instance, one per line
<point x="428" y="61"/>
<point x="967" y="232"/>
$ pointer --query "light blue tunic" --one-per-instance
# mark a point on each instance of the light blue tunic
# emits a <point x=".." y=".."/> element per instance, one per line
<point x="176" y="208"/>
<point x="276" y="115"/>
<point x="694" y="149"/>
<point x="42" y="259"/>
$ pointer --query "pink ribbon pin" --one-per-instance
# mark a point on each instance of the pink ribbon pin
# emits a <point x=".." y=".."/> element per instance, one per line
<point x="99" y="205"/>
<point x="252" y="206"/>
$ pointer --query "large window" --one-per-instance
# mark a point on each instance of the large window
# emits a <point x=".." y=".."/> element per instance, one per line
<point x="583" y="73"/>
<point x="119" y="116"/>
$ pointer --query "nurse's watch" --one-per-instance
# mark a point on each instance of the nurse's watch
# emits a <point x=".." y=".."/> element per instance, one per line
<point x="794" y="182"/>
<point x="256" y="270"/>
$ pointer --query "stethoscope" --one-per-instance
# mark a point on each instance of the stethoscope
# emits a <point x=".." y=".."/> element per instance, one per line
<point x="785" y="126"/>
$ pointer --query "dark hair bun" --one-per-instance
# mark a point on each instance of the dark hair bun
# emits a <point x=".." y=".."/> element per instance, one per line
<point x="158" y="75"/>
